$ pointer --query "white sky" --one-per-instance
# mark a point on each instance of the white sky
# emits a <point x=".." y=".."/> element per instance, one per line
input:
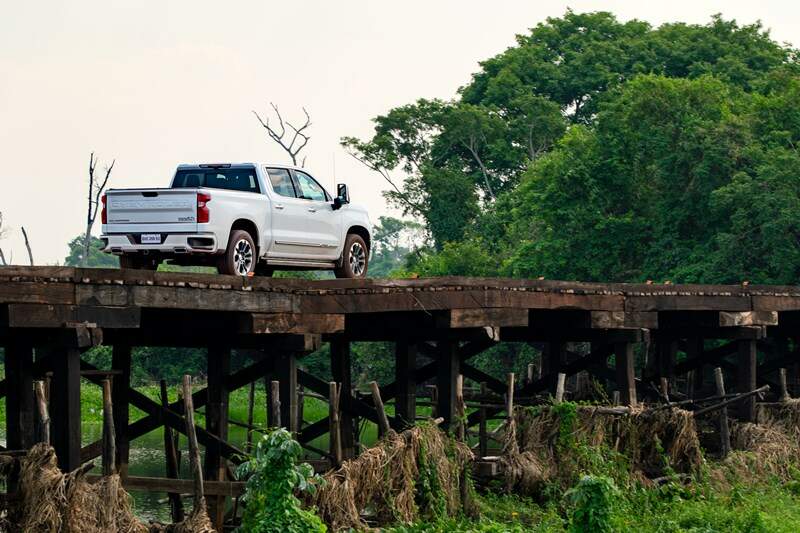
<point x="156" y="83"/>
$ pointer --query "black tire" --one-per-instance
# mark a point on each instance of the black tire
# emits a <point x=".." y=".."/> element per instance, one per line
<point x="136" y="262"/>
<point x="355" y="258"/>
<point x="240" y="257"/>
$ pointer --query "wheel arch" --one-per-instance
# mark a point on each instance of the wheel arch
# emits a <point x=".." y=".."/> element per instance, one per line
<point x="250" y="227"/>
<point x="362" y="232"/>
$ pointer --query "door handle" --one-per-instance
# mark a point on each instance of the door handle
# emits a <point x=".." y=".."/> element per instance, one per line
<point x="312" y="209"/>
<point x="278" y="206"/>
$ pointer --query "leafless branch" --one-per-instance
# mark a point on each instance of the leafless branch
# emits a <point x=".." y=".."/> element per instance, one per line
<point x="96" y="188"/>
<point x="292" y="143"/>
<point x="416" y="208"/>
<point x="472" y="145"/>
<point x="27" y="245"/>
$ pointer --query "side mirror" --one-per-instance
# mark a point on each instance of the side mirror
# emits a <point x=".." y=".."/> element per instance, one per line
<point x="342" y="194"/>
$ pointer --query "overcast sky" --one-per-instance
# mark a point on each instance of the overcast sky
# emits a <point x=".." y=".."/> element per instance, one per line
<point x="156" y="83"/>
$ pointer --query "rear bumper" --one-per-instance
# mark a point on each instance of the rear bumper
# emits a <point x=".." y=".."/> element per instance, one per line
<point x="171" y="244"/>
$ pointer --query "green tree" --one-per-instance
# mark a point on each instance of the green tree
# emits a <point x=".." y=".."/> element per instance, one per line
<point x="97" y="258"/>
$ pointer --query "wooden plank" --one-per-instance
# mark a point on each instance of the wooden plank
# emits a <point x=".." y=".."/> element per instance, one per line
<point x="687" y="302"/>
<point x="776" y="303"/>
<point x="37" y="292"/>
<point x="483" y="317"/>
<point x="183" y="298"/>
<point x="183" y="486"/>
<point x="54" y="316"/>
<point x="462" y="299"/>
<point x="748" y="318"/>
<point x="267" y="323"/>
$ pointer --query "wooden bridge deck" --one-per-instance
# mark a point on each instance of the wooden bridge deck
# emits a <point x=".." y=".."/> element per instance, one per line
<point x="653" y="331"/>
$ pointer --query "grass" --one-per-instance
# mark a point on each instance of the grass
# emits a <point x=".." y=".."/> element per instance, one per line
<point x="751" y="505"/>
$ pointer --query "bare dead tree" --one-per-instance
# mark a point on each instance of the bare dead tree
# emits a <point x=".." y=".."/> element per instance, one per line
<point x="292" y="141"/>
<point x="27" y="245"/>
<point x="96" y="188"/>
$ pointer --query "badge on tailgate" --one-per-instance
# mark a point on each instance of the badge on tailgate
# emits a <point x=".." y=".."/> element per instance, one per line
<point x="151" y="238"/>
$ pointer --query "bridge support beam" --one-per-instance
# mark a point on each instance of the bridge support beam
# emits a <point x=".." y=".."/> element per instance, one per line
<point x="447" y="373"/>
<point x="625" y="371"/>
<point x="404" y="371"/>
<point x="341" y="371"/>
<point x="65" y="407"/>
<point x="215" y="466"/>
<point x="121" y="364"/>
<point x="746" y="378"/>
<point x="19" y="399"/>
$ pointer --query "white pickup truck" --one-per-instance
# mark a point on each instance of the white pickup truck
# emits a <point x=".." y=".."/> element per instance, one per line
<point x="243" y="218"/>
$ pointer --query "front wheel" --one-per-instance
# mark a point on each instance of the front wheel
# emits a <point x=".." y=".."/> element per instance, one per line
<point x="355" y="258"/>
<point x="239" y="258"/>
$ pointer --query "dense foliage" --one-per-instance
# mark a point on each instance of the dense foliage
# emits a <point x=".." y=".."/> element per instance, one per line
<point x="596" y="149"/>
<point x="273" y="478"/>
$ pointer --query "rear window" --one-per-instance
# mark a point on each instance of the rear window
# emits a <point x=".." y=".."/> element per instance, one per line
<point x="234" y="179"/>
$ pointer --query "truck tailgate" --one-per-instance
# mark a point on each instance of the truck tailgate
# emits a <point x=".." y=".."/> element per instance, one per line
<point x="132" y="210"/>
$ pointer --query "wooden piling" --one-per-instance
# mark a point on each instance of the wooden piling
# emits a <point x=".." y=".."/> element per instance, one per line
<point x="784" y="391"/>
<point x="120" y="396"/>
<point x="724" y="430"/>
<point x="625" y="373"/>
<point x="560" y="388"/>
<point x="335" y="431"/>
<point x="405" y="367"/>
<point x="483" y="444"/>
<point x="341" y="373"/>
<point x="275" y="403"/>
<point x="746" y="378"/>
<point x="301" y="401"/>
<point x="172" y="461"/>
<point x="461" y="432"/>
<point x="383" y="420"/>
<point x="194" y="448"/>
<point x="19" y="397"/>
<point x="43" y="418"/>
<point x="510" y="396"/>
<point x="65" y="407"/>
<point x="109" y="446"/>
<point x="251" y="398"/>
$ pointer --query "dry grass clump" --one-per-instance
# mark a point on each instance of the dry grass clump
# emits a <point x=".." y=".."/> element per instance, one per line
<point x="53" y="502"/>
<point x="556" y="443"/>
<point x="404" y="476"/>
<point x="771" y="445"/>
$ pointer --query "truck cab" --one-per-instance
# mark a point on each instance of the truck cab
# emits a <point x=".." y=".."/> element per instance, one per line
<point x="243" y="218"/>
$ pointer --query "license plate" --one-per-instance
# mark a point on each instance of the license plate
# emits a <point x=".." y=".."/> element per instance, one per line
<point x="151" y="238"/>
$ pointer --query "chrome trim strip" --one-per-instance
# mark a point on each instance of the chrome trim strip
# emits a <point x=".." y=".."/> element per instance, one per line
<point x="302" y="262"/>
<point x="309" y="244"/>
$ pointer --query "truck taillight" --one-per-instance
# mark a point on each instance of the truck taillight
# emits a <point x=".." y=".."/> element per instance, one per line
<point x="103" y="214"/>
<point x="203" y="213"/>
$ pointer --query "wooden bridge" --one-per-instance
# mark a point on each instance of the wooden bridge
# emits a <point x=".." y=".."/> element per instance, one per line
<point x="49" y="316"/>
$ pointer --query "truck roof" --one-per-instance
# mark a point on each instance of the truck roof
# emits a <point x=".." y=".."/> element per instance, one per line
<point x="238" y="165"/>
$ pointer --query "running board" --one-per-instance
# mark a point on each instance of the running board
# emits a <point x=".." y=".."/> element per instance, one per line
<point x="301" y="263"/>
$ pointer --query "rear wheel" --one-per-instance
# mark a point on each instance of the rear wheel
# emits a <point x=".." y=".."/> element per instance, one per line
<point x="136" y="262"/>
<point x="355" y="258"/>
<point x="239" y="258"/>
